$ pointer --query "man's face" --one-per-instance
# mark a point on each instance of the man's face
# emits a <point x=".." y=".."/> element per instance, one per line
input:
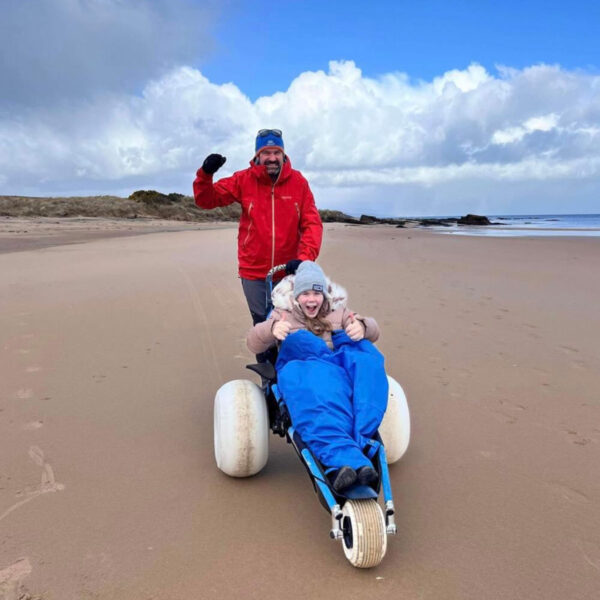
<point x="272" y="158"/>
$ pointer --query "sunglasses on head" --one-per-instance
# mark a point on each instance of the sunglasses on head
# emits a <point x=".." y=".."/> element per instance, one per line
<point x="266" y="132"/>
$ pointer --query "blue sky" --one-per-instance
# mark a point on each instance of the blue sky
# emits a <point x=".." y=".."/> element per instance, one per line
<point x="388" y="108"/>
<point x="262" y="48"/>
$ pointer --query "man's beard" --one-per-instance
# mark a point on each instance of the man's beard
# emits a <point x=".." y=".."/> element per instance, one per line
<point x="273" y="169"/>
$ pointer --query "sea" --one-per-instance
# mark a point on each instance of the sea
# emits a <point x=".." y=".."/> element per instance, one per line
<point x="586" y="225"/>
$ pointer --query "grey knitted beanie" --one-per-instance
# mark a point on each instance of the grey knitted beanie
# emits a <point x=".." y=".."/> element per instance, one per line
<point x="309" y="276"/>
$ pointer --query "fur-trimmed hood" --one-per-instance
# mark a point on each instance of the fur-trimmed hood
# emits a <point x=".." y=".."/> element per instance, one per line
<point x="261" y="336"/>
<point x="283" y="294"/>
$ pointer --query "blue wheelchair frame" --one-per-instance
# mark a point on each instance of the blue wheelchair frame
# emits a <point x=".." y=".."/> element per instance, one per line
<point x="281" y="424"/>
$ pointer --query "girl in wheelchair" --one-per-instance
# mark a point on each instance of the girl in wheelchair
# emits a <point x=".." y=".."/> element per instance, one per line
<point x="328" y="371"/>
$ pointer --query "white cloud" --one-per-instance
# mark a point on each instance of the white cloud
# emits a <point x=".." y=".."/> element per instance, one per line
<point x="469" y="137"/>
<point x="462" y="81"/>
<point x="516" y="134"/>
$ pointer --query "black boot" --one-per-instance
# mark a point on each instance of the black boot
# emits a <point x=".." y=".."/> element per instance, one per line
<point x="343" y="478"/>
<point x="367" y="475"/>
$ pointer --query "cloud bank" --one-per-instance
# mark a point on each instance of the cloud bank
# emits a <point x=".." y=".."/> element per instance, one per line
<point x="53" y="50"/>
<point x="516" y="141"/>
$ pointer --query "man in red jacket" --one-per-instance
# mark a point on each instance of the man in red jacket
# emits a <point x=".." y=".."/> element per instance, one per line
<point x="279" y="222"/>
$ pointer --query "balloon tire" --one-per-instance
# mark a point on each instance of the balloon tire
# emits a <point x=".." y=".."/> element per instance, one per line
<point x="395" y="425"/>
<point x="364" y="535"/>
<point x="241" y="428"/>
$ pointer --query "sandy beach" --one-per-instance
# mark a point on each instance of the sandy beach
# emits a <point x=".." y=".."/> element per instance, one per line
<point x="113" y="348"/>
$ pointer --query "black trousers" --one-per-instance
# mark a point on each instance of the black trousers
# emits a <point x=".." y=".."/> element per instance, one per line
<point x="255" y="291"/>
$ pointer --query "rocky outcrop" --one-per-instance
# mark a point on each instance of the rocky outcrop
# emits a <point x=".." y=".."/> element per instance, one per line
<point x="474" y="220"/>
<point x="368" y="220"/>
<point x="437" y="222"/>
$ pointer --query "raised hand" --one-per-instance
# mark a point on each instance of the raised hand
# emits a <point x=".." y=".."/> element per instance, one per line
<point x="281" y="328"/>
<point x="212" y="163"/>
<point x="355" y="329"/>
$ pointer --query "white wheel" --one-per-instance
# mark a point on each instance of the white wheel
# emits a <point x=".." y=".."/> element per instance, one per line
<point x="241" y="428"/>
<point x="365" y="539"/>
<point x="395" y="426"/>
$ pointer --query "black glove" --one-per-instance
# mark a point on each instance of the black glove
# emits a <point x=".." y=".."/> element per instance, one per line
<point x="212" y="163"/>
<point x="292" y="266"/>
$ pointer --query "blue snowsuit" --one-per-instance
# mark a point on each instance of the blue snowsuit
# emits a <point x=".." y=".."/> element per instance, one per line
<point x="336" y="398"/>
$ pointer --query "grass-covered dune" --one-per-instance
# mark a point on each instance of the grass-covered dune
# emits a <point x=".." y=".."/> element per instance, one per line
<point x="141" y="204"/>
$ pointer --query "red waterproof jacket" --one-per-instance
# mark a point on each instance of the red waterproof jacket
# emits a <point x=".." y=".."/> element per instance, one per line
<point x="279" y="220"/>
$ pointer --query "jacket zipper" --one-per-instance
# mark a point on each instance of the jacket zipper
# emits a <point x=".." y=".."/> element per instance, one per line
<point x="273" y="225"/>
<point x="249" y="225"/>
<point x="273" y="219"/>
<point x="297" y="209"/>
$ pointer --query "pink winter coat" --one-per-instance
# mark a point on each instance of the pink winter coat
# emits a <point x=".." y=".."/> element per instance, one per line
<point x="261" y="337"/>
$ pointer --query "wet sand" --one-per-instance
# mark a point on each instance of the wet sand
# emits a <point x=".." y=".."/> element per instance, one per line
<point x="112" y="351"/>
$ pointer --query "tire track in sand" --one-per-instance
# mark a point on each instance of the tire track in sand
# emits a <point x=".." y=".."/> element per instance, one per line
<point x="202" y="320"/>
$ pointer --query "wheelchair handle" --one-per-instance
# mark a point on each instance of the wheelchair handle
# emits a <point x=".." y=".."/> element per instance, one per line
<point x="269" y="286"/>
<point x="273" y="271"/>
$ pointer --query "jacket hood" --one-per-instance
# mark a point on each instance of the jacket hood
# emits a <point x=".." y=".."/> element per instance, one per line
<point x="283" y="294"/>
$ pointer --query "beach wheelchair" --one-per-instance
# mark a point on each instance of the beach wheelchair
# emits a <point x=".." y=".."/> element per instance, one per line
<point x="243" y="414"/>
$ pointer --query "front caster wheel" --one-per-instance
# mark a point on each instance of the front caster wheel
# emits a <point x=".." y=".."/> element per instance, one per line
<point x="364" y="536"/>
